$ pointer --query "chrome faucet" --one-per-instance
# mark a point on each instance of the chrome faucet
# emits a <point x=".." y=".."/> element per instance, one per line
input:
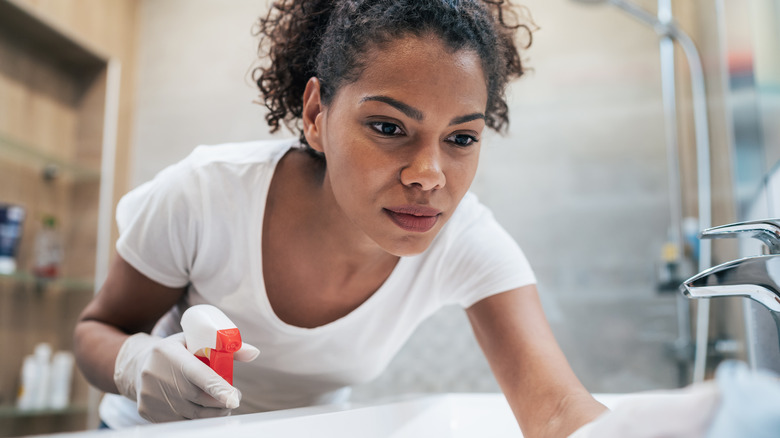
<point x="756" y="277"/>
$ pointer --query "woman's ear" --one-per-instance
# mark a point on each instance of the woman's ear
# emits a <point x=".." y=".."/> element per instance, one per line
<point x="312" y="114"/>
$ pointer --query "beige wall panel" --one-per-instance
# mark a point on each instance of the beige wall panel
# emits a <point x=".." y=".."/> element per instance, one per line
<point x="89" y="134"/>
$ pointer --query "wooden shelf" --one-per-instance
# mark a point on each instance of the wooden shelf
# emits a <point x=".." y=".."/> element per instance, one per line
<point x="17" y="151"/>
<point x="14" y="412"/>
<point x="64" y="283"/>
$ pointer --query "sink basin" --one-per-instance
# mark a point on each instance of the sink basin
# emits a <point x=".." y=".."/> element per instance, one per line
<point x="441" y="415"/>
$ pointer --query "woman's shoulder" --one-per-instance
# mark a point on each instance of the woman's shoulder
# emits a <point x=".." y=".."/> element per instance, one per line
<point x="474" y="256"/>
<point x="248" y="152"/>
<point x="469" y="213"/>
<point x="473" y="230"/>
<point x="213" y="168"/>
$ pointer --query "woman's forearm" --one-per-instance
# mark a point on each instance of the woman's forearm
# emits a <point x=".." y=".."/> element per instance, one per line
<point x="96" y="345"/>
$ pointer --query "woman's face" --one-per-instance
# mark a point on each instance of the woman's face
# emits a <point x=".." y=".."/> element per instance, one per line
<point x="402" y="142"/>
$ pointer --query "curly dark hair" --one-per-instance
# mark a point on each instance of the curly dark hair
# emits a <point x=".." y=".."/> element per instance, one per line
<point x="327" y="38"/>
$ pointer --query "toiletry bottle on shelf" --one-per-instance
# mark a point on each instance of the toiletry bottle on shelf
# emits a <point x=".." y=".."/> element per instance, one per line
<point x="48" y="250"/>
<point x="668" y="268"/>
<point x="28" y="386"/>
<point x="60" y="380"/>
<point x="34" y="389"/>
<point x="42" y="354"/>
<point x="11" y="218"/>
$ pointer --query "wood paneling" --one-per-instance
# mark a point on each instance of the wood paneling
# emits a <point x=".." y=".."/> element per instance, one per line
<point x="53" y="110"/>
<point x="110" y="26"/>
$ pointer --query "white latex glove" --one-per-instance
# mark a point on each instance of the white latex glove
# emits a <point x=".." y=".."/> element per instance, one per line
<point x="169" y="383"/>
<point x="680" y="413"/>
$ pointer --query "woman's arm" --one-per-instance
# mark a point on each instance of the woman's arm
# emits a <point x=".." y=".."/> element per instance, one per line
<point x="546" y="397"/>
<point x="128" y="303"/>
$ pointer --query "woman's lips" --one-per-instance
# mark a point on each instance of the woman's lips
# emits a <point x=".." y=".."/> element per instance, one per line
<point x="414" y="218"/>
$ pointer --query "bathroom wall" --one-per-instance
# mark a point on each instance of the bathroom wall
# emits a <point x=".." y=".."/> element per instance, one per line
<point x="52" y="112"/>
<point x="580" y="181"/>
<point x="193" y="88"/>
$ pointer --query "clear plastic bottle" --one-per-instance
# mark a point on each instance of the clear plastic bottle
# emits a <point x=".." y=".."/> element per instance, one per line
<point x="48" y="250"/>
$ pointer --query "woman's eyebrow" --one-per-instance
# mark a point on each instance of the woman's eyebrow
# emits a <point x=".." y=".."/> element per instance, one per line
<point x="416" y="114"/>
<point x="467" y="118"/>
<point x="410" y="111"/>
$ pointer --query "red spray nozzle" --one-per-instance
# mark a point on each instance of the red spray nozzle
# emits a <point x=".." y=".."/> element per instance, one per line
<point x="212" y="337"/>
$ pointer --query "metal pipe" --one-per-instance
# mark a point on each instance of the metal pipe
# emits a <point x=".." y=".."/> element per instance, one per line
<point x="701" y="125"/>
<point x="668" y="91"/>
<point x="669" y="29"/>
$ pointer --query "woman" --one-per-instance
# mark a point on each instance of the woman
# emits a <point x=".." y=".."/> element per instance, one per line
<point x="329" y="250"/>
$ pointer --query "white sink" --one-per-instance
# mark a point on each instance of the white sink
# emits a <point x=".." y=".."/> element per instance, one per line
<point x="444" y="415"/>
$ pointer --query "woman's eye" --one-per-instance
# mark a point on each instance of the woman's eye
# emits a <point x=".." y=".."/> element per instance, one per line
<point x="462" y="139"/>
<point x="386" y="128"/>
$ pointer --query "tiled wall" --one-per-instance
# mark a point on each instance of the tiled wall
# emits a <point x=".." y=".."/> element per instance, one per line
<point x="580" y="181"/>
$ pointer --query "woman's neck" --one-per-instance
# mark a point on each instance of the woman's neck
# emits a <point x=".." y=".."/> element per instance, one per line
<point x="317" y="265"/>
<point x="321" y="227"/>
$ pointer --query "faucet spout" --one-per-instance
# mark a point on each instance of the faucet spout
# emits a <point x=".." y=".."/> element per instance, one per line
<point x="757" y="278"/>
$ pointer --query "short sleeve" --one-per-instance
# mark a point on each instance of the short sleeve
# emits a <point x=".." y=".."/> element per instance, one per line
<point x="157" y="224"/>
<point x="481" y="260"/>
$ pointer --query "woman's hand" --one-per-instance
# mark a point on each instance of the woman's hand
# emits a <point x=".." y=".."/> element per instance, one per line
<point x="169" y="383"/>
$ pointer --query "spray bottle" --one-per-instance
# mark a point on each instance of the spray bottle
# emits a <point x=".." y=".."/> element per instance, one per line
<point x="212" y="337"/>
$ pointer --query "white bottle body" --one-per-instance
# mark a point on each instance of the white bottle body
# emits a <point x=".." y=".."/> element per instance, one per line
<point x="42" y="357"/>
<point x="61" y="379"/>
<point x="29" y="384"/>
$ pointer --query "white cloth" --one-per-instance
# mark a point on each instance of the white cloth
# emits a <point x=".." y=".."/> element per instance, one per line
<point x="199" y="223"/>
<point x="750" y="406"/>
<point x="738" y="403"/>
<point x="676" y="413"/>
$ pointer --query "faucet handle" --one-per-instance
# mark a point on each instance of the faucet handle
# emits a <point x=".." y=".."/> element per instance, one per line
<point x="765" y="230"/>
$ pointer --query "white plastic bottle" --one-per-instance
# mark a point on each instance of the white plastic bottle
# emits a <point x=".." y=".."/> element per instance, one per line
<point x="61" y="378"/>
<point x="42" y="356"/>
<point x="29" y="384"/>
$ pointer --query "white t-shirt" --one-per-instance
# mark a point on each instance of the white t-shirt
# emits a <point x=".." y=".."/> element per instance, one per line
<point x="198" y="224"/>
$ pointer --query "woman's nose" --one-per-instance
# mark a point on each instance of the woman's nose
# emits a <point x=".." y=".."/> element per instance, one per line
<point x="424" y="169"/>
